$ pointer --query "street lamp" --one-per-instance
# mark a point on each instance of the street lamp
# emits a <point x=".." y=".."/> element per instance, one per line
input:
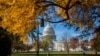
<point x="37" y="53"/>
<point x="42" y="25"/>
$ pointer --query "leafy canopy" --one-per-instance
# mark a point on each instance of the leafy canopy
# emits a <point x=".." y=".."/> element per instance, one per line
<point x="19" y="16"/>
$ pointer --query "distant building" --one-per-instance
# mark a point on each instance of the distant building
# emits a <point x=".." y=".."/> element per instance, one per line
<point x="74" y="44"/>
<point x="48" y="32"/>
<point x="58" y="46"/>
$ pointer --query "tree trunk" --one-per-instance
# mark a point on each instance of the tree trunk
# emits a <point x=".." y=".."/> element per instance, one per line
<point x="96" y="52"/>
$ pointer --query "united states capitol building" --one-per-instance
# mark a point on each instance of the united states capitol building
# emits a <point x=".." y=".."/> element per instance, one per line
<point x="49" y="35"/>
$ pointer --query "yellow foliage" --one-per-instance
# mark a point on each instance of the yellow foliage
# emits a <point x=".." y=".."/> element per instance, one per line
<point x="23" y="38"/>
<point x="62" y="13"/>
<point x="19" y="16"/>
<point x="60" y="10"/>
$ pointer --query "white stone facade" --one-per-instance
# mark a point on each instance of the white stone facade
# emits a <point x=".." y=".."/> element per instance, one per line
<point x="58" y="46"/>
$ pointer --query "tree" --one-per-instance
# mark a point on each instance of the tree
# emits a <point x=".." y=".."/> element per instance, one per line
<point x="80" y="13"/>
<point x="65" y="42"/>
<point x="74" y="42"/>
<point x="19" y="17"/>
<point x="96" y="40"/>
<point x="16" y="42"/>
<point x="5" y="42"/>
<point x="47" y="43"/>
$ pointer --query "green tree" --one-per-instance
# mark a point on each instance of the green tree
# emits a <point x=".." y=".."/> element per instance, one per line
<point x="47" y="43"/>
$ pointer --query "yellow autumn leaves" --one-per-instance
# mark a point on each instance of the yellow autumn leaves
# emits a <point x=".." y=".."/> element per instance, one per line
<point x="19" y="17"/>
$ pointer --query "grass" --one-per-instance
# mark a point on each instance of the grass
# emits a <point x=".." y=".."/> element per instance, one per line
<point x="54" y="53"/>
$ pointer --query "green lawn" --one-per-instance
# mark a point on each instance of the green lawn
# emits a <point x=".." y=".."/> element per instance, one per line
<point x="55" y="52"/>
<point x="45" y="53"/>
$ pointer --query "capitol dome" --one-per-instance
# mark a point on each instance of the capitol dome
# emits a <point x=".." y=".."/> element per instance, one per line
<point x="49" y="32"/>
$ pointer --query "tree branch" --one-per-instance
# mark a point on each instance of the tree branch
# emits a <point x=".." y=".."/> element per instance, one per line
<point x="56" y="21"/>
<point x="67" y="6"/>
<point x="77" y="2"/>
<point x="50" y="4"/>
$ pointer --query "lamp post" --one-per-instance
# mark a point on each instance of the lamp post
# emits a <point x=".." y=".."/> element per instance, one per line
<point x="42" y="25"/>
<point x="37" y="51"/>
